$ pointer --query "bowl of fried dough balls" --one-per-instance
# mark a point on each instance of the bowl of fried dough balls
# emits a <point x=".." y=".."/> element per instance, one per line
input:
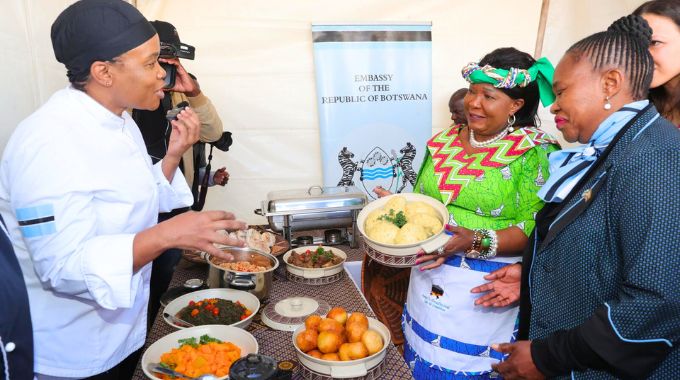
<point x="402" y="224"/>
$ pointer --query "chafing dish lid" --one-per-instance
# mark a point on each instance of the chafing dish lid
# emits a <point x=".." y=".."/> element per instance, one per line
<point x="316" y="197"/>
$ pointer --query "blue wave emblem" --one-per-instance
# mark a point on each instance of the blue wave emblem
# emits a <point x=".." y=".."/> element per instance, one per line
<point x="369" y="174"/>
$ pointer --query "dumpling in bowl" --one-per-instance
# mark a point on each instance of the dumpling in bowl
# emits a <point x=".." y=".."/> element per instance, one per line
<point x="396" y="203"/>
<point x="383" y="232"/>
<point x="410" y="233"/>
<point x="375" y="215"/>
<point x="431" y="224"/>
<point x="418" y="207"/>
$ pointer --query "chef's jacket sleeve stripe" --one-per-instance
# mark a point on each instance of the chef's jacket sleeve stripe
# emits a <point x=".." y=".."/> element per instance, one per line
<point x="35" y="212"/>
<point x="36" y="221"/>
<point x="38" y="230"/>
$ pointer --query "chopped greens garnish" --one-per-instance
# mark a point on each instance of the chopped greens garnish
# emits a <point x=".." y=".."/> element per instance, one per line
<point x="188" y="341"/>
<point x="204" y="339"/>
<point x="320" y="252"/>
<point x="398" y="219"/>
<point x="207" y="339"/>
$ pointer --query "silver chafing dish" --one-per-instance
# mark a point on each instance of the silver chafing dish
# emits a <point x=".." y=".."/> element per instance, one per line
<point x="314" y="208"/>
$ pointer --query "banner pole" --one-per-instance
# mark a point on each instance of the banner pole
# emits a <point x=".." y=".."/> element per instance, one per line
<point x="541" y="28"/>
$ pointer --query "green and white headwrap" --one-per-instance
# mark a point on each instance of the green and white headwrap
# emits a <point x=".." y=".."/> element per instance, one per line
<point x="541" y="71"/>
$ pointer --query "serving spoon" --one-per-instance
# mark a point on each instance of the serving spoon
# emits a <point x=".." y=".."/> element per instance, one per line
<point x="178" y="321"/>
<point x="157" y="368"/>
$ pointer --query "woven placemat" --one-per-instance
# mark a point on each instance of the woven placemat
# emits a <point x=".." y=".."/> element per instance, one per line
<point x="279" y="344"/>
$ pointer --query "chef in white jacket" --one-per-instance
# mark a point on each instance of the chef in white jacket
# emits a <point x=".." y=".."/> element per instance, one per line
<point x="81" y="198"/>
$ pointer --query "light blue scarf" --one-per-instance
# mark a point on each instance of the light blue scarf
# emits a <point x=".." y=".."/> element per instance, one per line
<point x="568" y="166"/>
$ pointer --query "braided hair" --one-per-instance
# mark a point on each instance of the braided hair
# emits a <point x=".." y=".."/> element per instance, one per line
<point x="507" y="58"/>
<point x="623" y="45"/>
<point x="670" y="9"/>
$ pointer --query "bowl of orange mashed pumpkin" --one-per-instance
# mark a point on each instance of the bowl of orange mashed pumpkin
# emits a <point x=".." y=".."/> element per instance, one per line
<point x="185" y="351"/>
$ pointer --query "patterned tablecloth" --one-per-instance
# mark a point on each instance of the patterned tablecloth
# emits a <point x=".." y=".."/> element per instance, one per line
<point x="278" y="344"/>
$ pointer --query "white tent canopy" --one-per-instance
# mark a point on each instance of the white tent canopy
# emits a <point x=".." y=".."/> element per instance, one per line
<point x="254" y="60"/>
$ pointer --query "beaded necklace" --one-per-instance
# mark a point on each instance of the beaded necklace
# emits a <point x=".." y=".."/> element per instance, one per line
<point x="481" y="144"/>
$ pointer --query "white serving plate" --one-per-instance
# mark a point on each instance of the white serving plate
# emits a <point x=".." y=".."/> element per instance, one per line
<point x="243" y="339"/>
<point x="392" y="254"/>
<point x="315" y="272"/>
<point x="247" y="299"/>
<point x="350" y="368"/>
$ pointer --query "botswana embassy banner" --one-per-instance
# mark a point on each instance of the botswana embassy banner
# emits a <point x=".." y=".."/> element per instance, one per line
<point x="374" y="85"/>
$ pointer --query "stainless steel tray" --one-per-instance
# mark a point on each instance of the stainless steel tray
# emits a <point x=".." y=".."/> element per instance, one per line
<point x="313" y="208"/>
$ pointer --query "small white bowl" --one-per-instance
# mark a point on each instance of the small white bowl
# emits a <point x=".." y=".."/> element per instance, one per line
<point x="241" y="338"/>
<point x="350" y="368"/>
<point x="315" y="272"/>
<point x="248" y="300"/>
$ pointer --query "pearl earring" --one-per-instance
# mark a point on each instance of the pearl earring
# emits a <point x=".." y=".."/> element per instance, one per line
<point x="511" y="122"/>
<point x="607" y="105"/>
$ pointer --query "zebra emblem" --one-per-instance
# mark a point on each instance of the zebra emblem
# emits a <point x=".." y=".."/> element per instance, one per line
<point x="406" y="165"/>
<point x="379" y="168"/>
<point x="348" y="166"/>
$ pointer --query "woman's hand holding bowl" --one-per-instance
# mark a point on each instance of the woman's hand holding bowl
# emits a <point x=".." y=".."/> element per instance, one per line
<point x="460" y="241"/>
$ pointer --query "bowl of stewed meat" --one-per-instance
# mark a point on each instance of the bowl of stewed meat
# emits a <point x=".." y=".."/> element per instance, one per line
<point x="314" y="261"/>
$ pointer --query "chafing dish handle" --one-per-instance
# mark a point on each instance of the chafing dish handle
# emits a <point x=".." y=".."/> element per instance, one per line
<point x="309" y="191"/>
<point x="258" y="211"/>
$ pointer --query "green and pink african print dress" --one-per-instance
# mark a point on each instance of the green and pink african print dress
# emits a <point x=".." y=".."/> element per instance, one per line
<point x="447" y="337"/>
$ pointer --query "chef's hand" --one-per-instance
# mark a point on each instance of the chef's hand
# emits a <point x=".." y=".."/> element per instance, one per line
<point x="184" y="83"/>
<point x="185" y="133"/>
<point x="520" y="364"/>
<point x="201" y="230"/>
<point x="460" y="241"/>
<point x="503" y="290"/>
<point x="221" y="176"/>
<point x="380" y="192"/>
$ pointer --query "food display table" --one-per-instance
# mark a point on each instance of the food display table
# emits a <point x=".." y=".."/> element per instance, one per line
<point x="279" y="344"/>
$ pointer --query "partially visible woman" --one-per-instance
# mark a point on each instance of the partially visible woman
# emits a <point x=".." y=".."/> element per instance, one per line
<point x="80" y="196"/>
<point x="487" y="172"/>
<point x="600" y="282"/>
<point x="663" y="17"/>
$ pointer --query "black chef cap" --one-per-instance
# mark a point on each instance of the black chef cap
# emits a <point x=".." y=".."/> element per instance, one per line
<point x="96" y="30"/>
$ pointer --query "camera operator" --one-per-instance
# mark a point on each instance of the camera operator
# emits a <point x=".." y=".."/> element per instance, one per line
<point x="180" y="86"/>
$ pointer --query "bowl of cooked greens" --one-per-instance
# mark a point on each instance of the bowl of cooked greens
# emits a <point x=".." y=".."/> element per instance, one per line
<point x="218" y="306"/>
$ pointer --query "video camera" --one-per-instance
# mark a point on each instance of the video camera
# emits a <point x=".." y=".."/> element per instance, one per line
<point x="179" y="50"/>
<point x="224" y="142"/>
<point x="171" y="47"/>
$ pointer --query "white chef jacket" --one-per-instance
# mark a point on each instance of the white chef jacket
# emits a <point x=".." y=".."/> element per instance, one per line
<point x="76" y="185"/>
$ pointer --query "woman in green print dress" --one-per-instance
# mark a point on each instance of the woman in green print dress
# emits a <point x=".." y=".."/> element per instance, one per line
<point x="487" y="173"/>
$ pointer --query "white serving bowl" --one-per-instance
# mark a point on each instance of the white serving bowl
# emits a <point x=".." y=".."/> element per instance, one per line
<point x="247" y="299"/>
<point x="241" y="338"/>
<point x="350" y="368"/>
<point x="399" y="251"/>
<point x="315" y="272"/>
